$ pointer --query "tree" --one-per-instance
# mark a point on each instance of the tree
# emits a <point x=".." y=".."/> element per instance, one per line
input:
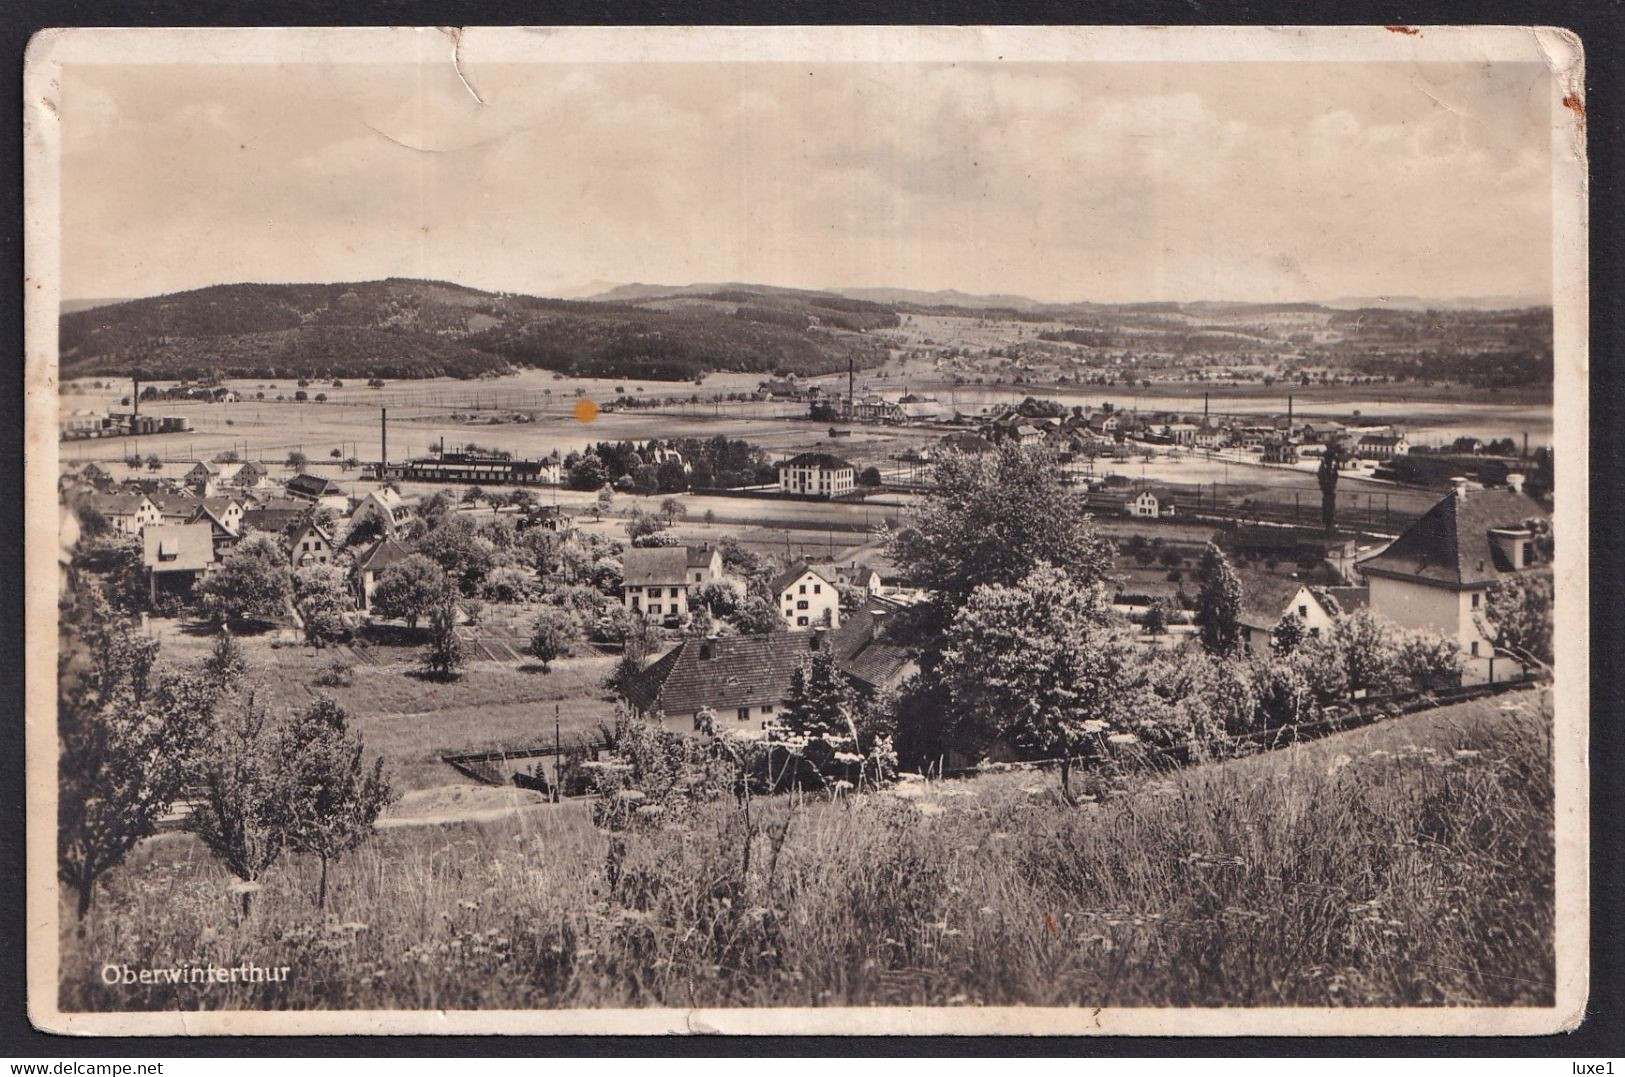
<point x="445" y="654"/>
<point x="322" y="596"/>
<point x="1288" y="634"/>
<point x="755" y="616"/>
<point x="1156" y="617"/>
<point x="457" y="546"/>
<point x="252" y="581"/>
<point x="473" y="494"/>
<point x="550" y="636"/>
<point x="297" y="460"/>
<point x="333" y="797"/>
<point x="408" y="589"/>
<point x="952" y="549"/>
<point x="672" y="510"/>
<point x="670" y="477"/>
<point x="606" y="501"/>
<point x="641" y="525"/>
<point x="1218" y="603"/>
<point x="126" y="743"/>
<point x="869" y="476"/>
<point x="242" y="815"/>
<point x="1331" y="462"/>
<point x="1033" y="661"/>
<point x="153" y="463"/>
<point x="588" y="473"/>
<point x="1517" y="618"/>
<point x="820" y="702"/>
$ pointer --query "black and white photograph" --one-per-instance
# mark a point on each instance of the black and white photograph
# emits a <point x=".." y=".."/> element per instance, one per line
<point x="885" y="530"/>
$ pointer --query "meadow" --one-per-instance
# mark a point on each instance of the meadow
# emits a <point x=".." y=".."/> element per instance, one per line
<point x="1406" y="863"/>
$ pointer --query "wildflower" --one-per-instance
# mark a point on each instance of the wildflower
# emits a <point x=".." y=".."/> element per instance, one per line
<point x="1122" y="738"/>
<point x="1467" y="753"/>
<point x="471" y="906"/>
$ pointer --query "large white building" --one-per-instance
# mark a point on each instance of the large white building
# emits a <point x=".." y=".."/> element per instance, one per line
<point x="1437" y="574"/>
<point x="817" y="474"/>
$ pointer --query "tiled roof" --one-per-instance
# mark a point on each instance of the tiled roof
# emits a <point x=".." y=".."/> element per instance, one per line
<point x="313" y="486"/>
<point x="730" y="671"/>
<point x="655" y="564"/>
<point x="1264" y="597"/>
<point x="192" y="547"/>
<point x="699" y="556"/>
<point x="791" y="575"/>
<point x="384" y="554"/>
<point x="827" y="461"/>
<point x="1450" y="544"/>
<point x="117" y="504"/>
<point x="865" y="653"/>
<point x="179" y="505"/>
<point x="1349" y="599"/>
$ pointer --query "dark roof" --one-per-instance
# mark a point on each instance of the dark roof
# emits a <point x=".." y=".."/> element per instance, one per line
<point x="731" y="671"/>
<point x="313" y="486"/>
<point x="700" y="556"/>
<point x="385" y="553"/>
<point x="181" y="505"/>
<point x="275" y="519"/>
<point x="865" y="653"/>
<point x="1264" y="597"/>
<point x="968" y="443"/>
<point x="791" y="575"/>
<point x="1450" y="545"/>
<point x="654" y="564"/>
<point x="1382" y="439"/>
<point x="1348" y="599"/>
<point x="827" y="461"/>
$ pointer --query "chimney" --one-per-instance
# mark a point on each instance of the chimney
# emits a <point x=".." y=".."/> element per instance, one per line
<point x="705" y="649"/>
<point x="1515" y="481"/>
<point x="1458" y="483"/>
<point x="815" y="641"/>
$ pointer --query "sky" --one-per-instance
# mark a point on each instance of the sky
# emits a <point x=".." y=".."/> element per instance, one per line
<point x="1059" y="181"/>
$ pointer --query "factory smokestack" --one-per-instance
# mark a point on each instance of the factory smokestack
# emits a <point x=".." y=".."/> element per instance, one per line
<point x="851" y="394"/>
<point x="383" y="441"/>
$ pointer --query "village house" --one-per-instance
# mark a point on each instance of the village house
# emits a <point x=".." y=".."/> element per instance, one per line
<point x="205" y="478"/>
<point x="251" y="475"/>
<point x="1382" y="446"/>
<point x="805" y="599"/>
<point x="224" y="535"/>
<point x="1437" y="574"/>
<point x="670" y="456"/>
<point x="387" y="508"/>
<point x="1280" y="451"/>
<point x="127" y="513"/>
<point x="1317" y="607"/>
<point x="745" y="680"/>
<point x="323" y="493"/>
<point x="228" y="511"/>
<point x="817" y="474"/>
<point x="654" y="582"/>
<point x="1321" y="431"/>
<point x="1149" y="504"/>
<point x="1251" y="437"/>
<point x="704" y="565"/>
<point x="176" y="557"/>
<point x="370" y="566"/>
<point x="970" y="444"/>
<point x="312" y="545"/>
<point x="276" y="514"/>
<point x="1213" y="437"/>
<point x="174" y="508"/>
<point x="1181" y="433"/>
<point x="853" y="577"/>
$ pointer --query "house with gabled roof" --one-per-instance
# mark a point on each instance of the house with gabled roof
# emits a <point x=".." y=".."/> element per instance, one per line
<point x="176" y="557"/>
<point x="1437" y="574"/>
<point x="806" y="599"/>
<point x="746" y="680"/>
<point x="276" y="515"/>
<point x="370" y="566"/>
<point x="322" y="492"/>
<point x="174" y="508"/>
<point x="1149" y="504"/>
<point x="127" y="513"/>
<point x="1318" y="607"/>
<point x="654" y="582"/>
<point x="385" y="505"/>
<point x="312" y="545"/>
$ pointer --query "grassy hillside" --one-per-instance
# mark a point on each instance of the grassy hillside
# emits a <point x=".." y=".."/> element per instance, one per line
<point x="405" y="328"/>
<point x="1409" y="863"/>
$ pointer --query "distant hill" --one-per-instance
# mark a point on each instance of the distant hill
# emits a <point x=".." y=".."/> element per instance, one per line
<point x="946" y="298"/>
<point x="1416" y="302"/>
<point x="68" y="306"/>
<point x="413" y="328"/>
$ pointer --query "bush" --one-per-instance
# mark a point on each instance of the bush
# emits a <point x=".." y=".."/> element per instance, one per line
<point x="336" y="674"/>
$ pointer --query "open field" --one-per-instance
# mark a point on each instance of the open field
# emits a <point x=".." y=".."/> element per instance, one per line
<point x="1407" y="863"/>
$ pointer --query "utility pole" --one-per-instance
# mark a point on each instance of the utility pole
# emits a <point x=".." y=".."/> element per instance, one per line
<point x="558" y="753"/>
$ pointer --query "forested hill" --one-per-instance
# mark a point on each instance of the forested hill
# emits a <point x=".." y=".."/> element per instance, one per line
<point x="411" y="328"/>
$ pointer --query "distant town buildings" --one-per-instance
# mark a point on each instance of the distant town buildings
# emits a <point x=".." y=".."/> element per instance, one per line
<point x="817" y="474"/>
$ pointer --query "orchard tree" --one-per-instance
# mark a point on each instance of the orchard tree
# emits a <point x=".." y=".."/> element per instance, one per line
<point x="1288" y="634"/>
<point x="670" y="477"/>
<point x="1156" y="617"/>
<point x="298" y="460"/>
<point x="605" y="501"/>
<point x="588" y="473"/>
<point x="322" y="596"/>
<point x="333" y="798"/>
<point x="755" y="616"/>
<point x="445" y="654"/>
<point x="127" y="740"/>
<point x="408" y="589"/>
<point x="992" y="519"/>
<point x="1034" y="661"/>
<point x="550" y="636"/>
<point x="1218" y="603"/>
<point x="242" y="816"/>
<point x="672" y="510"/>
<point x="1517" y="618"/>
<point x="252" y="581"/>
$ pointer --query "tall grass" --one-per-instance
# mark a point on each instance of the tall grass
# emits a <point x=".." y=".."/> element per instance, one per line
<point x="1408" y="864"/>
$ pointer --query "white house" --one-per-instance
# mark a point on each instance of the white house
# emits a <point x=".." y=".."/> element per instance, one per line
<point x="817" y="474"/>
<point x="388" y="508"/>
<point x="312" y="546"/>
<point x="1316" y="607"/>
<point x="372" y="564"/>
<point x="806" y="599"/>
<point x="1149" y="504"/>
<point x="1382" y="446"/>
<point x="127" y="513"/>
<point x="655" y="582"/>
<point x="1437" y="574"/>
